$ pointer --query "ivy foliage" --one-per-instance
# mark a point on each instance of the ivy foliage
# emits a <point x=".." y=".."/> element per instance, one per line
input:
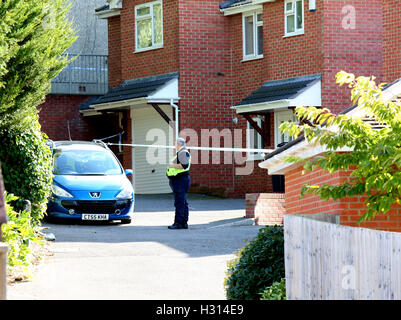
<point x="258" y="265"/>
<point x="33" y="36"/>
<point x="375" y="159"/>
<point x="275" y="292"/>
<point x="27" y="167"/>
<point x="18" y="232"/>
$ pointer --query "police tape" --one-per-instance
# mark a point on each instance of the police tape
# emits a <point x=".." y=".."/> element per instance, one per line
<point x="193" y="148"/>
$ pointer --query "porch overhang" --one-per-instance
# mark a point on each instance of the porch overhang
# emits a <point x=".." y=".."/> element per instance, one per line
<point x="283" y="94"/>
<point x="231" y="7"/>
<point x="160" y="89"/>
<point x="111" y="9"/>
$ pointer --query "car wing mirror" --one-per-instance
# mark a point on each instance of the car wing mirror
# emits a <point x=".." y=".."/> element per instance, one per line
<point x="129" y="172"/>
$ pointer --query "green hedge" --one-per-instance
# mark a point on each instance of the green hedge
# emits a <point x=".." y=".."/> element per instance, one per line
<point x="258" y="265"/>
<point x="27" y="167"/>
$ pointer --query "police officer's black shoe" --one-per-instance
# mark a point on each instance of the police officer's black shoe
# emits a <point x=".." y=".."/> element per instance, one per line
<point x="175" y="226"/>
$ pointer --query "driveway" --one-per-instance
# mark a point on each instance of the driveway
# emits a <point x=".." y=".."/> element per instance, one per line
<point x="143" y="260"/>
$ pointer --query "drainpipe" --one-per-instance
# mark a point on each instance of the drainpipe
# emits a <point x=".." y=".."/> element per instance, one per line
<point x="177" y="120"/>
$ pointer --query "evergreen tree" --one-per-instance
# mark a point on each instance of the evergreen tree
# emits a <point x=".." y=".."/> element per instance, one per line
<point x="33" y="36"/>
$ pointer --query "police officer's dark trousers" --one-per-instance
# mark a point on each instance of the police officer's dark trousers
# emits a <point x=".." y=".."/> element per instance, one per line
<point x="180" y="186"/>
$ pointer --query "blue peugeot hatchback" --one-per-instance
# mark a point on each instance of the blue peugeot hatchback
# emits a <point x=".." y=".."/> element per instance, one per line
<point x="89" y="183"/>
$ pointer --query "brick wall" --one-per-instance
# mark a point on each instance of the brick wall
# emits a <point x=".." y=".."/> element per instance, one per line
<point x="60" y="110"/>
<point x="265" y="208"/>
<point x="207" y="93"/>
<point x="57" y="111"/>
<point x="282" y="57"/>
<point x="152" y="62"/>
<point x="357" y="50"/>
<point x="391" y="36"/>
<point x="349" y="209"/>
<point x="114" y="45"/>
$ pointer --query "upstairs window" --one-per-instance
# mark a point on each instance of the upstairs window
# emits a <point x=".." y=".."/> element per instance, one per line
<point x="294" y="17"/>
<point x="253" y="35"/>
<point x="149" y="26"/>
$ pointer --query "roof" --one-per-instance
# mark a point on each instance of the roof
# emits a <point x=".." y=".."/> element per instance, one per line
<point x="136" y="88"/>
<point x="233" y="3"/>
<point x="106" y="7"/>
<point x="299" y="139"/>
<point x="390" y="91"/>
<point x="277" y="90"/>
<point x="87" y="104"/>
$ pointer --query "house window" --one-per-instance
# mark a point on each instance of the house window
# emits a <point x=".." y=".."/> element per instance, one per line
<point x="279" y="118"/>
<point x="254" y="140"/>
<point x="253" y="35"/>
<point x="294" y="17"/>
<point x="149" y="26"/>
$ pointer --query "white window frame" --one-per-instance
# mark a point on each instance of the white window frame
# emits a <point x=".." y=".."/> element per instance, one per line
<point x="259" y="143"/>
<point x="149" y="16"/>
<point x="279" y="117"/>
<point x="256" y="24"/>
<point x="294" y="12"/>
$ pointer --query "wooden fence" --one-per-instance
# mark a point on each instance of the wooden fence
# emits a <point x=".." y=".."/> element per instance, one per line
<point x="327" y="261"/>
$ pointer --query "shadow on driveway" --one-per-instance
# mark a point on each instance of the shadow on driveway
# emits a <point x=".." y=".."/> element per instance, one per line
<point x="199" y="202"/>
<point x="212" y="229"/>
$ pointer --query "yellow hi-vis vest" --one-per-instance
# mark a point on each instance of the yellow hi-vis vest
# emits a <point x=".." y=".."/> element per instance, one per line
<point x="172" y="172"/>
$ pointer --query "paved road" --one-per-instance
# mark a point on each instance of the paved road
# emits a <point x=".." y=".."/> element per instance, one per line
<point x="143" y="260"/>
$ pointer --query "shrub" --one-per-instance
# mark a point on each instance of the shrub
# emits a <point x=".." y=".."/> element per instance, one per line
<point x="18" y="232"/>
<point x="27" y="167"/>
<point x="275" y="292"/>
<point x="258" y="265"/>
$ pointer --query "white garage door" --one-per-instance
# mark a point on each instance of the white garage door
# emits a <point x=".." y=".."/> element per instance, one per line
<point x="150" y="163"/>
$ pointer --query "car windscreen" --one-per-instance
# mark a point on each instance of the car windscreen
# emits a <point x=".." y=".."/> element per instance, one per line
<point x="85" y="162"/>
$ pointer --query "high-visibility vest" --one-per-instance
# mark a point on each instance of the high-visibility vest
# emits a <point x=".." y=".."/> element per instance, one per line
<point x="172" y="172"/>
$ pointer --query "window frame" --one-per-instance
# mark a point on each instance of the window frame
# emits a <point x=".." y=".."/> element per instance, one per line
<point x="149" y="16"/>
<point x="256" y="24"/>
<point x="294" y="12"/>
<point x="288" y="115"/>
<point x="251" y="156"/>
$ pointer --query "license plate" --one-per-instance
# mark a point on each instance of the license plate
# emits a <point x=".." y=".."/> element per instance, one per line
<point x="95" y="217"/>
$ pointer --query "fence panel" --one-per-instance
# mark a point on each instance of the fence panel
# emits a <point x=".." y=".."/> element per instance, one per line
<point x="327" y="261"/>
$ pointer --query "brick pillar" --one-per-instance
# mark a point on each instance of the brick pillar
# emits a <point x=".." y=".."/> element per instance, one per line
<point x="265" y="208"/>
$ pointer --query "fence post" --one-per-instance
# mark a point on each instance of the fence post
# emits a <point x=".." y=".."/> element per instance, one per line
<point x="3" y="246"/>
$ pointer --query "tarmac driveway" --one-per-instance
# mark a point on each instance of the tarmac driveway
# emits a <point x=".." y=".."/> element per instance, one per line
<point x="143" y="260"/>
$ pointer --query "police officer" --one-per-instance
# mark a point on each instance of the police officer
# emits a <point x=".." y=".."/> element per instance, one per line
<point x="178" y="175"/>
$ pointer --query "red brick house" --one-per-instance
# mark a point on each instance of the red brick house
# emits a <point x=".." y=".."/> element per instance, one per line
<point x="237" y="64"/>
<point x="349" y="209"/>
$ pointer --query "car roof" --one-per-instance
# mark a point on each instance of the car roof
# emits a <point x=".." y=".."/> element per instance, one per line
<point x="79" y="145"/>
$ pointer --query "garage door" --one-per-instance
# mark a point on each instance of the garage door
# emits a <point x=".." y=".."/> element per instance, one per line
<point x="150" y="163"/>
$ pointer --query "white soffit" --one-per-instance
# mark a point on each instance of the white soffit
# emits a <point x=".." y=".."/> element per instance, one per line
<point x="251" y="5"/>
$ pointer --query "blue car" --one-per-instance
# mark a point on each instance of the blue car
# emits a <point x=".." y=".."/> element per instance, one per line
<point x="89" y="183"/>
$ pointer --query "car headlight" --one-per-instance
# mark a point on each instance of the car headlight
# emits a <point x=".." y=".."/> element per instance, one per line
<point x="60" y="192"/>
<point x="125" y="193"/>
